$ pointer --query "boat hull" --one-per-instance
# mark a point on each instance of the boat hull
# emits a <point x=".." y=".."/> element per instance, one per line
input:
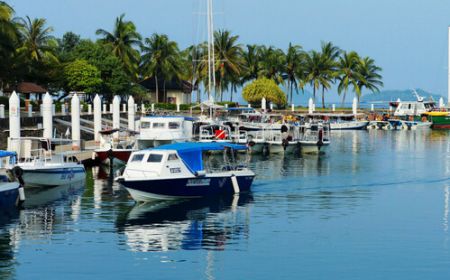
<point x="440" y="122"/>
<point x="48" y="177"/>
<point x="351" y="125"/>
<point x="312" y="148"/>
<point x="122" y="155"/>
<point x="9" y="195"/>
<point x="182" y="188"/>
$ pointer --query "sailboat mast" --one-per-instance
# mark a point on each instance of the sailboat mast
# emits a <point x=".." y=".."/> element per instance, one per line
<point x="213" y="56"/>
<point x="208" y="24"/>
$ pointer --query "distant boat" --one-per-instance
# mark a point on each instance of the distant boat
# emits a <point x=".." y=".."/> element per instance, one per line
<point x="118" y="150"/>
<point x="159" y="130"/>
<point x="182" y="170"/>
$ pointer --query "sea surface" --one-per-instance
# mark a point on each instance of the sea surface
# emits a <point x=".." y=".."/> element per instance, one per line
<point x="374" y="206"/>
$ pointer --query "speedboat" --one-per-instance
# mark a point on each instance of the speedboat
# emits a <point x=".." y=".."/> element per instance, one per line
<point x="41" y="167"/>
<point x="184" y="170"/>
<point x="315" y="137"/>
<point x="340" y="121"/>
<point x="11" y="191"/>
<point x="115" y="151"/>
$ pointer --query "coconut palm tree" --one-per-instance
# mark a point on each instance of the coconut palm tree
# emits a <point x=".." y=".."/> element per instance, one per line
<point x="329" y="55"/>
<point x="317" y="71"/>
<point x="194" y="67"/>
<point x="161" y="59"/>
<point x="272" y="63"/>
<point x="8" y="39"/>
<point x="348" y="73"/>
<point x="294" y="61"/>
<point x="370" y="77"/>
<point x="123" y="40"/>
<point x="38" y="43"/>
<point x="252" y="61"/>
<point x="228" y="58"/>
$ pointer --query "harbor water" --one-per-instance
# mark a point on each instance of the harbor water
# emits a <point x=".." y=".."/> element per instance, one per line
<point x="374" y="206"/>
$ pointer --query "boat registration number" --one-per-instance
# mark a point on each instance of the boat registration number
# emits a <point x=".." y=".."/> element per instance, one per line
<point x="198" y="182"/>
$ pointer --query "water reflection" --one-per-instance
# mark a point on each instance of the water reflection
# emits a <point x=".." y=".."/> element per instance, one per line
<point x="189" y="225"/>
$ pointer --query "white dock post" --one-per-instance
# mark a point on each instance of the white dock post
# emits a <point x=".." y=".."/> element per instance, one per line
<point x="333" y="107"/>
<point x="30" y="110"/>
<point x="63" y="109"/>
<point x="153" y="107"/>
<point x="89" y="109"/>
<point x="2" y="111"/>
<point x="178" y="107"/>
<point x="104" y="109"/>
<point x="271" y="106"/>
<point x="124" y="108"/>
<point x="41" y="110"/>
<point x="14" y="116"/>
<point x="97" y="117"/>
<point x="135" y="107"/>
<point x="448" y="68"/>
<point x="75" y="113"/>
<point x="372" y="107"/>
<point x="143" y="108"/>
<point x="310" y="106"/>
<point x="355" y="106"/>
<point x="226" y="105"/>
<point x="111" y="108"/>
<point x="441" y="103"/>
<point x="47" y="117"/>
<point x="249" y="105"/>
<point x="131" y="113"/>
<point x="263" y="104"/>
<point x="292" y="107"/>
<point x="116" y="115"/>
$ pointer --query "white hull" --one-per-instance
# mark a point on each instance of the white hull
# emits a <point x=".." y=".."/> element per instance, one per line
<point x="350" y="125"/>
<point x="151" y="197"/>
<point x="56" y="175"/>
<point x="311" y="148"/>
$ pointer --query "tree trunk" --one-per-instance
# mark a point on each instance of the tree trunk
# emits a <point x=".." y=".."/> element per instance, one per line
<point x="343" y="98"/>
<point x="157" y="90"/>
<point x="323" y="97"/>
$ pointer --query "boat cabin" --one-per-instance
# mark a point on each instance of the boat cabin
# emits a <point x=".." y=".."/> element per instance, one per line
<point x="413" y="108"/>
<point x="157" y="130"/>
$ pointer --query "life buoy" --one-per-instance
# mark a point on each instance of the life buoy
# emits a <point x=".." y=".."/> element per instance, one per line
<point x="220" y="134"/>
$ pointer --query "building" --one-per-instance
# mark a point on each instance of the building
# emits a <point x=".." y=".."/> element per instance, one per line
<point x="174" y="91"/>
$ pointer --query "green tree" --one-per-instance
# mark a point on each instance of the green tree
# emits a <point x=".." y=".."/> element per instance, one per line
<point x="264" y="87"/>
<point x="8" y="41"/>
<point x="252" y="61"/>
<point x="329" y="55"/>
<point x="67" y="44"/>
<point x="194" y="67"/>
<point x="272" y="63"/>
<point x="348" y="73"/>
<point x="294" y="65"/>
<point x="161" y="59"/>
<point x="314" y="67"/>
<point x="228" y="59"/>
<point x="82" y="76"/>
<point x="123" y="39"/>
<point x="370" y="77"/>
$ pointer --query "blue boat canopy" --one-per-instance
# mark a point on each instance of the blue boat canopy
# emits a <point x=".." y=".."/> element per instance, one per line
<point x="7" y="154"/>
<point x="191" y="152"/>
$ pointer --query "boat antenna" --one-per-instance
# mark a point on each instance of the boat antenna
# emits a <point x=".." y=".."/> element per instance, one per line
<point x="416" y="94"/>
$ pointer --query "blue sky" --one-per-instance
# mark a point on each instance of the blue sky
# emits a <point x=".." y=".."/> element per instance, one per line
<point x="408" y="38"/>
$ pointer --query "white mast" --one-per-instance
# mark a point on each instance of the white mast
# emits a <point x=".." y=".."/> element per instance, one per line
<point x="448" y="68"/>
<point x="208" y="24"/>
<point x="211" y="55"/>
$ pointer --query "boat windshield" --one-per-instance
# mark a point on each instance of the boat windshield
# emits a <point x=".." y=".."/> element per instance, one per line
<point x="154" y="158"/>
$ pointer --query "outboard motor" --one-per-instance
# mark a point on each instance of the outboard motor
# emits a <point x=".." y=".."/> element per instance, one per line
<point x="17" y="173"/>
<point x="320" y="134"/>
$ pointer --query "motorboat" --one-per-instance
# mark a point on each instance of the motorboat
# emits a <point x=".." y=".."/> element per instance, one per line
<point x="11" y="190"/>
<point x="340" y="121"/>
<point x="215" y="133"/>
<point x="115" y="150"/>
<point x="283" y="141"/>
<point x="184" y="170"/>
<point x="43" y="168"/>
<point x="315" y="137"/>
<point x="159" y="130"/>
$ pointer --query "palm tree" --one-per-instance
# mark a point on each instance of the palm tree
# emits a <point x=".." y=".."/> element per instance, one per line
<point x="161" y="59"/>
<point x="194" y="67"/>
<point x="313" y="70"/>
<point x="272" y="63"/>
<point x="123" y="39"/>
<point x="348" y="73"/>
<point x="294" y="59"/>
<point x="228" y="58"/>
<point x="38" y="43"/>
<point x="329" y="55"/>
<point x="370" y="77"/>
<point x="252" y="61"/>
<point x="8" y="39"/>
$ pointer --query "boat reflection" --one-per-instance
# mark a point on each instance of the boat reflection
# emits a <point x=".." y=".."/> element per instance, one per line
<point x="195" y="224"/>
<point x="37" y="197"/>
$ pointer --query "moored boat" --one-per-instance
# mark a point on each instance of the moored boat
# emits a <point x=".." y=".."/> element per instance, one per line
<point x="315" y="138"/>
<point x="181" y="170"/>
<point x="115" y="151"/>
<point x="11" y="190"/>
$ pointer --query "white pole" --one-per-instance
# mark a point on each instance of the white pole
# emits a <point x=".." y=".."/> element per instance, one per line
<point x="90" y="109"/>
<point x="30" y="110"/>
<point x="178" y="107"/>
<point x="448" y="81"/>
<point x="355" y="106"/>
<point x="97" y="117"/>
<point x="131" y="113"/>
<point x="2" y="111"/>
<point x="111" y="108"/>
<point x="53" y="109"/>
<point x="75" y="113"/>
<point x="116" y="115"/>
<point x="249" y="105"/>
<point x="41" y="110"/>
<point x="292" y="107"/>
<point x="263" y="104"/>
<point x="135" y="107"/>
<point x="47" y="117"/>
<point x="271" y="106"/>
<point x="143" y="108"/>
<point x="372" y="107"/>
<point x="124" y="108"/>
<point x="14" y="116"/>
<point x="333" y="107"/>
<point x="63" y="109"/>
<point x="441" y="103"/>
<point x="105" y="109"/>
<point x="310" y="106"/>
<point x="153" y="107"/>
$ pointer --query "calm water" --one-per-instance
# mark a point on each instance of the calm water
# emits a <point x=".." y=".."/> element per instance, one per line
<point x="375" y="206"/>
